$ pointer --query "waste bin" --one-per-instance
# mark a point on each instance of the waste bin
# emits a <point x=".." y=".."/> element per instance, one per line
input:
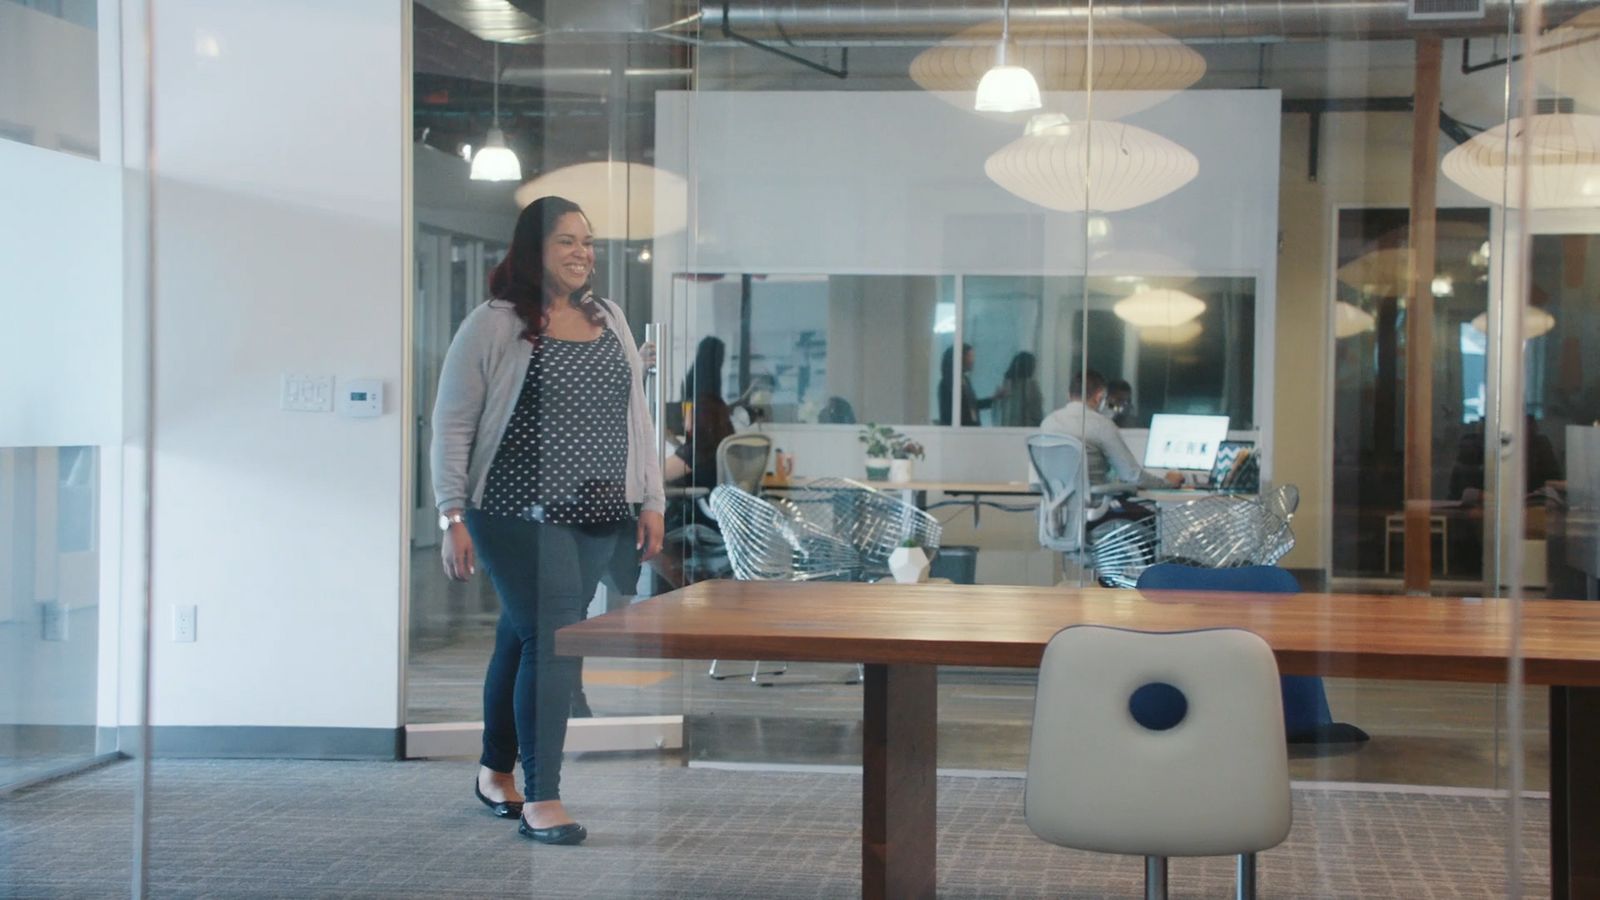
<point x="957" y="562"/>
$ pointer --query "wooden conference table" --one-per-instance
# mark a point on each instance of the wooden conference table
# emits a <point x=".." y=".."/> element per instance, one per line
<point x="902" y="632"/>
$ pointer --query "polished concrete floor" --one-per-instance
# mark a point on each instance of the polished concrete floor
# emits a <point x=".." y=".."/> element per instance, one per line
<point x="1423" y="733"/>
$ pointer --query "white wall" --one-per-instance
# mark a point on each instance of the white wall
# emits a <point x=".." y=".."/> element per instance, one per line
<point x="280" y="235"/>
<point x="48" y="82"/>
<point x="60" y="298"/>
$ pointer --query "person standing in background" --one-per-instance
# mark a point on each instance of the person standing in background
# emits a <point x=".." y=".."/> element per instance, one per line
<point x="1020" y="403"/>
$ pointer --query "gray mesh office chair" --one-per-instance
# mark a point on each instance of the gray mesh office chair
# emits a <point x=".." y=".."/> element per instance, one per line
<point x="1119" y="549"/>
<point x="741" y="461"/>
<point x="1062" y="466"/>
<point x="1106" y="734"/>
<point x="871" y="521"/>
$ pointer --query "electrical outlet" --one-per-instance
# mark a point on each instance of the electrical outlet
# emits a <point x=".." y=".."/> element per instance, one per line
<point x="53" y="620"/>
<point x="183" y="624"/>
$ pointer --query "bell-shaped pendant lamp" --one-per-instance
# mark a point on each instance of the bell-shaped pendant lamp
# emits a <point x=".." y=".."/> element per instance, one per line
<point x="495" y="161"/>
<point x="1104" y="166"/>
<point x="1006" y="88"/>
<point x="1563" y="162"/>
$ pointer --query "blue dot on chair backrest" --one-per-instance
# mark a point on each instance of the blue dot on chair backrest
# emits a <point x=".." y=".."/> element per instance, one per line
<point x="1158" y="706"/>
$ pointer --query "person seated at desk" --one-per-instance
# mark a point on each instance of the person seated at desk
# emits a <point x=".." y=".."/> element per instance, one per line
<point x="1103" y="445"/>
<point x="706" y="423"/>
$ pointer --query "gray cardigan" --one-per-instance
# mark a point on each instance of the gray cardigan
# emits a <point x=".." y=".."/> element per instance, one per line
<point x="478" y="387"/>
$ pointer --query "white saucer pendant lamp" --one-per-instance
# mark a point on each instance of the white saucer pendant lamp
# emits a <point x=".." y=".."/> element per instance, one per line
<point x="1536" y="322"/>
<point x="1159" y="308"/>
<point x="1563" y="162"/>
<point x="495" y="161"/>
<point x="1134" y="66"/>
<point x="1006" y="88"/>
<point x="1103" y="166"/>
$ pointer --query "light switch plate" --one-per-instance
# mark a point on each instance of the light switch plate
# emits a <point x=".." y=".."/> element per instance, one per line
<point x="183" y="624"/>
<point x="307" y="393"/>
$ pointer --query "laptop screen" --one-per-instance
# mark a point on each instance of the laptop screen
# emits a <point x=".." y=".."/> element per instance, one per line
<point x="1184" y="442"/>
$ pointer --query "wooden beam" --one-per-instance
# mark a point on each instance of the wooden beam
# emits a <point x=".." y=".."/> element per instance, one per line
<point x="1419" y="319"/>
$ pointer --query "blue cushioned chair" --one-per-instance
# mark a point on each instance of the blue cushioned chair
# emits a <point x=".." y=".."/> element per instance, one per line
<point x="1306" y="716"/>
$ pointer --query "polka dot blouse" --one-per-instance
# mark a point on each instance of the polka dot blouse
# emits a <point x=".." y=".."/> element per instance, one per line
<point x="564" y="456"/>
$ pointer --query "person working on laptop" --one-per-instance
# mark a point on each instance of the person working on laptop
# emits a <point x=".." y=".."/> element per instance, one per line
<point x="1107" y="454"/>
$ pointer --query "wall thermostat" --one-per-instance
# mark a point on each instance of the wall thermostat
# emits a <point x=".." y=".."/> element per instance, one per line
<point x="361" y="398"/>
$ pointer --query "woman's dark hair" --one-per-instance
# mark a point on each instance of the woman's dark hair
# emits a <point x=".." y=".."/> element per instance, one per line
<point x="519" y="279"/>
<point x="1022" y="366"/>
<point x="704" y="378"/>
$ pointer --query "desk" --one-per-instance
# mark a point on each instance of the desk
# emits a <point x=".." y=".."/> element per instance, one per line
<point x="969" y="492"/>
<point x="902" y="632"/>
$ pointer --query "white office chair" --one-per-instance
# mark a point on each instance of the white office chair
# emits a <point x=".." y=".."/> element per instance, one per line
<point x="1159" y="745"/>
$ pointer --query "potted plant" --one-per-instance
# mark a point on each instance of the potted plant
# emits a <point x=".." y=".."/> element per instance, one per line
<point x="889" y="453"/>
<point x="908" y="563"/>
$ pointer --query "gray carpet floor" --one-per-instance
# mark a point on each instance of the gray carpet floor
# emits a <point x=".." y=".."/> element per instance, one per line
<point x="351" y="829"/>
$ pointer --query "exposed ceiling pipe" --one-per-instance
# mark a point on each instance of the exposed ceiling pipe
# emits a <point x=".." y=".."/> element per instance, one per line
<point x="893" y="22"/>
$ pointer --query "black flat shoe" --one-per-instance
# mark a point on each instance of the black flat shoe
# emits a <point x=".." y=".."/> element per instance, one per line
<point x="505" y="809"/>
<point x="570" y="833"/>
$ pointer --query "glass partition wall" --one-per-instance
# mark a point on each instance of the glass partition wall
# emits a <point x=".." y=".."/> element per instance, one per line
<point x="1233" y="216"/>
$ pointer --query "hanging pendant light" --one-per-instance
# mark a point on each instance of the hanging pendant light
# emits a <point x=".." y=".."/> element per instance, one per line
<point x="495" y="161"/>
<point x="1103" y="166"/>
<point x="1350" y="320"/>
<point x="623" y="200"/>
<point x="1131" y="66"/>
<point x="1159" y="308"/>
<point x="1170" y="335"/>
<point x="1536" y="322"/>
<point x="1006" y="88"/>
<point x="1563" y="170"/>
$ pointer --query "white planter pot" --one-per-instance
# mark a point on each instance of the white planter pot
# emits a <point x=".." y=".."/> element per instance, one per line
<point x="878" y="468"/>
<point x="908" y="565"/>
<point x="900" y="470"/>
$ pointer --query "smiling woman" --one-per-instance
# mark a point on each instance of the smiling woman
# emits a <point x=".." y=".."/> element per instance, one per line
<point x="541" y="443"/>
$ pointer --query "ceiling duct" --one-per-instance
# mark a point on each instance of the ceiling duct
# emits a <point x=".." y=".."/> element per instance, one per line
<point x="925" y="22"/>
<point x="847" y="22"/>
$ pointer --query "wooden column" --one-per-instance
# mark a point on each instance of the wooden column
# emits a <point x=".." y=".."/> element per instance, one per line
<point x="898" y="792"/>
<point x="1419" y="319"/>
<point x="1574" y="789"/>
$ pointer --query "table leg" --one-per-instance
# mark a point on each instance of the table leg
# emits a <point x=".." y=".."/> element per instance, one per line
<point x="900" y="728"/>
<point x="1574" y="793"/>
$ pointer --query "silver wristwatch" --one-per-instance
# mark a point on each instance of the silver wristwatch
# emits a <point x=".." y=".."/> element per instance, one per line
<point x="445" y="521"/>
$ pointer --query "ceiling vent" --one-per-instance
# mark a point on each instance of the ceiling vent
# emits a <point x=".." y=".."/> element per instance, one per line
<point x="1444" y="9"/>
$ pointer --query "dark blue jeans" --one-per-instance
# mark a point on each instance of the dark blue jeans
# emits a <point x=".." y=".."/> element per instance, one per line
<point x="545" y="576"/>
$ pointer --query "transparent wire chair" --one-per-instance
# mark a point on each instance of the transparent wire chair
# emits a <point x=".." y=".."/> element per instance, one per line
<point x="767" y="542"/>
<point x="871" y="521"/>
<point x="1221" y="532"/>
<point x="1120" y="549"/>
<point x="772" y="541"/>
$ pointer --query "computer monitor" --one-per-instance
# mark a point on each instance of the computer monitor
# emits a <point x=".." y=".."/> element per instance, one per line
<point x="1184" y="442"/>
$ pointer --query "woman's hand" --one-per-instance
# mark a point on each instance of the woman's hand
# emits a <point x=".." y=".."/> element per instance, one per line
<point x="460" y="563"/>
<point x="652" y="530"/>
<point x="647" y="354"/>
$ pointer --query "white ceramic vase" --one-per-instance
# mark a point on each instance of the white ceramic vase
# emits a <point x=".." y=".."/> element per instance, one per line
<point x="908" y="565"/>
<point x="900" y="471"/>
<point x="878" y="468"/>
